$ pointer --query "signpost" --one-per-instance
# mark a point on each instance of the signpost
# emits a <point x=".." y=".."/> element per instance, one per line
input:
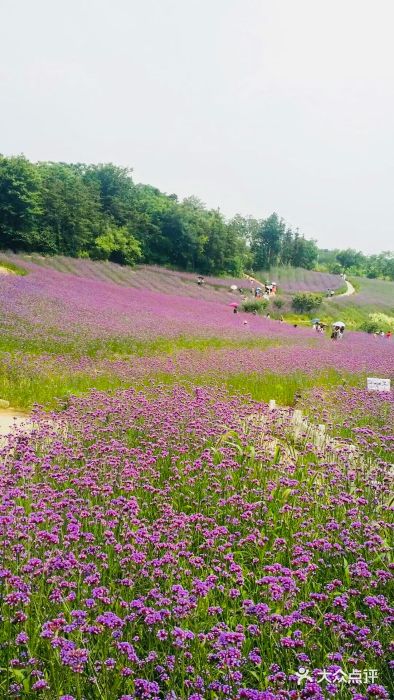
<point x="376" y="384"/>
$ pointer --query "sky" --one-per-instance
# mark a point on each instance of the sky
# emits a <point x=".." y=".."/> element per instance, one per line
<point x="253" y="106"/>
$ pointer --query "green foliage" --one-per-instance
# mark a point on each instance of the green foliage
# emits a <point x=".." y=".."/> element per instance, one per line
<point x="117" y="245"/>
<point x="386" y="321"/>
<point x="370" y="326"/>
<point x="303" y="252"/>
<point x="60" y="208"/>
<point x="255" y="305"/>
<point x="356" y="263"/>
<point x="96" y="210"/>
<point x="267" y="242"/>
<point x="279" y="303"/>
<point x="71" y="216"/>
<point x="335" y="269"/>
<point x="272" y="243"/>
<point x="378" y="322"/>
<point x="12" y="267"/>
<point x="75" y="209"/>
<point x="304" y="302"/>
<point x="20" y="203"/>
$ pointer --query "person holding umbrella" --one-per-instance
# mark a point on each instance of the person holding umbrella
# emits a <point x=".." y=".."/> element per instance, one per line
<point x="338" y="330"/>
<point x="234" y="306"/>
<point x="315" y="324"/>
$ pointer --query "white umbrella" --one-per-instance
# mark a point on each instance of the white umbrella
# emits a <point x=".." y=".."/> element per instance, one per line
<point x="233" y="287"/>
<point x="339" y="324"/>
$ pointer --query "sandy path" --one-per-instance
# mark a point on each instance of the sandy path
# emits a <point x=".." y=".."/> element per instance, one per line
<point x="10" y="417"/>
<point x="4" y="271"/>
<point x="350" y="290"/>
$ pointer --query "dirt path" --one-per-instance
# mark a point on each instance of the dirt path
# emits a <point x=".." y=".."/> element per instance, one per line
<point x="4" y="271"/>
<point x="350" y="290"/>
<point x="10" y="417"/>
<point x="252" y="279"/>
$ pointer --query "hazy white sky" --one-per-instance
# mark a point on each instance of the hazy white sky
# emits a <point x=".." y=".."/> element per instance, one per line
<point x="251" y="105"/>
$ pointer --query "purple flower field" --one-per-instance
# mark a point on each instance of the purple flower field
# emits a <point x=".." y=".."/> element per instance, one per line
<point x="165" y="546"/>
<point x="176" y="542"/>
<point x="48" y="298"/>
<point x="168" y="281"/>
<point x="293" y="279"/>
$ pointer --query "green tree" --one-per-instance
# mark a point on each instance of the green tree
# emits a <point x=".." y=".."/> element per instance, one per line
<point x="117" y="245"/>
<point x="115" y="188"/>
<point x="267" y="242"/>
<point x="213" y="258"/>
<point x="287" y="247"/>
<point x="20" y="203"/>
<point x="71" y="218"/>
<point x="350" y="258"/>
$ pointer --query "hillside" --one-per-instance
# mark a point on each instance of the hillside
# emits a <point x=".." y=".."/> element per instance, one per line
<point x="372" y="297"/>
<point x="97" y="319"/>
<point x="296" y="279"/>
<point x="164" y="524"/>
<point x="166" y="280"/>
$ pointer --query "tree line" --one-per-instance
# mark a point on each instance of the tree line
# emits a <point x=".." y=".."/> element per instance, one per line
<point x="98" y="211"/>
<point x="354" y="262"/>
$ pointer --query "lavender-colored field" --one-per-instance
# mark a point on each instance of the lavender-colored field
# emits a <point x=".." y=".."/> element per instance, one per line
<point x="178" y="542"/>
<point x="372" y="293"/>
<point x="147" y="277"/>
<point x="151" y="552"/>
<point x="48" y="299"/>
<point x="167" y="281"/>
<point x="294" y="279"/>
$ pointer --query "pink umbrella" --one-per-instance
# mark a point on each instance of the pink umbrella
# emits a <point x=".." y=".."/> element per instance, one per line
<point x="234" y="305"/>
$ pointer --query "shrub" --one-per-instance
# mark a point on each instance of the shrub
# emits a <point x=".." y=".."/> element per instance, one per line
<point x="304" y="302"/>
<point x="378" y="322"/>
<point x="384" y="320"/>
<point x="370" y="326"/>
<point x="255" y="305"/>
<point x="278" y="303"/>
<point x="117" y="245"/>
<point x="336" y="269"/>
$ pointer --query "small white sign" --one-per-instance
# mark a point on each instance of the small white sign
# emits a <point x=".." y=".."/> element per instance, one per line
<point x="376" y="384"/>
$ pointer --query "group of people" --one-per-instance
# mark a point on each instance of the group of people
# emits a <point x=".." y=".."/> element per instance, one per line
<point x="337" y="332"/>
<point x="382" y="334"/>
<point x="319" y="327"/>
<point x="269" y="290"/>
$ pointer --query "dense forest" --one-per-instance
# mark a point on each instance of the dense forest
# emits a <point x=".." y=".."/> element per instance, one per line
<point x="98" y="211"/>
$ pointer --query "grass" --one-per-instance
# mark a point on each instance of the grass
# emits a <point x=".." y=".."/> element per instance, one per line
<point x="52" y="389"/>
<point x="23" y="390"/>
<point x="116" y="346"/>
<point x="12" y="267"/>
<point x="264" y="386"/>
